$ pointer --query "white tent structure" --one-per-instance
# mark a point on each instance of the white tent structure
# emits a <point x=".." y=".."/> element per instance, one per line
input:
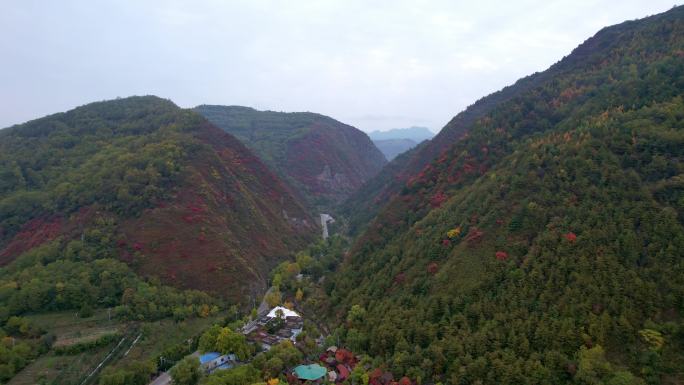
<point x="286" y="312"/>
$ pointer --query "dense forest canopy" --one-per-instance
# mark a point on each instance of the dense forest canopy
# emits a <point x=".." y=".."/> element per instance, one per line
<point x="546" y="245"/>
<point x="323" y="159"/>
<point x="181" y="199"/>
<point x="122" y="154"/>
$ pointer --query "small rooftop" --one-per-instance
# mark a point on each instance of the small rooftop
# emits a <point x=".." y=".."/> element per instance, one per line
<point x="209" y="356"/>
<point x="310" y="372"/>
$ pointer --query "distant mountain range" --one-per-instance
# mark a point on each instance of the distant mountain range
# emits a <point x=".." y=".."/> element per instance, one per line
<point x="415" y="133"/>
<point x="322" y="159"/>
<point x="390" y="148"/>
<point x="399" y="140"/>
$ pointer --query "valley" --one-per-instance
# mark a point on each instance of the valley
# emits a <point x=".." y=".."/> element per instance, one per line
<point x="538" y="238"/>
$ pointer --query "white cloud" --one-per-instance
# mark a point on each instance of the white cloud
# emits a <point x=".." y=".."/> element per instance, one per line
<point x="412" y="61"/>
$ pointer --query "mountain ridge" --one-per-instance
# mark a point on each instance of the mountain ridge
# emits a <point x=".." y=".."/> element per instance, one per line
<point x="550" y="226"/>
<point x="360" y="206"/>
<point x="323" y="159"/>
<point x="167" y="192"/>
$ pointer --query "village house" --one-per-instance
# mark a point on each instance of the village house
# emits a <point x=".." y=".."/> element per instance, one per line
<point x="213" y="361"/>
<point x="277" y="325"/>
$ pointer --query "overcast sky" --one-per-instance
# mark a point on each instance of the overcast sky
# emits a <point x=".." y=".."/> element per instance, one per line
<point x="371" y="64"/>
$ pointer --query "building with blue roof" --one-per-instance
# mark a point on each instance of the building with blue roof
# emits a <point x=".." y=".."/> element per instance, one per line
<point x="212" y="361"/>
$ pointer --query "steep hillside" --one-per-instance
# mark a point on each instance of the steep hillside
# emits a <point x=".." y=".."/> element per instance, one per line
<point x="544" y="241"/>
<point x="363" y="205"/>
<point x="325" y="160"/>
<point x="156" y="186"/>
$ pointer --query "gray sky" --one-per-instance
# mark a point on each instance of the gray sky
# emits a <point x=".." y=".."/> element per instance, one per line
<point x="372" y="64"/>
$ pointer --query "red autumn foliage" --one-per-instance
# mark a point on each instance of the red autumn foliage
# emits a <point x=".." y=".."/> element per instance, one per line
<point x="499" y="221"/>
<point x="125" y="256"/>
<point x="404" y="381"/>
<point x="195" y="209"/>
<point x="501" y="255"/>
<point x="399" y="278"/>
<point x="138" y="246"/>
<point x="121" y="243"/>
<point x="438" y="199"/>
<point x="571" y="237"/>
<point x="32" y="234"/>
<point x="455" y="178"/>
<point x="474" y="235"/>
<point x="343" y="372"/>
<point x="202" y="237"/>
<point x="188" y="218"/>
<point x="343" y="355"/>
<point x="446" y="242"/>
<point x="433" y="268"/>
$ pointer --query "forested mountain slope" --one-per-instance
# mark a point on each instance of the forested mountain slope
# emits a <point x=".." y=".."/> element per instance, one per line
<point x="156" y="186"/>
<point x="325" y="160"/>
<point x="547" y="244"/>
<point x="363" y="205"/>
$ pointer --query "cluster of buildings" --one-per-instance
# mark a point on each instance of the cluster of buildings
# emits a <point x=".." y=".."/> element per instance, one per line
<point x="335" y="366"/>
<point x="340" y="362"/>
<point x="280" y="323"/>
<point x="277" y="325"/>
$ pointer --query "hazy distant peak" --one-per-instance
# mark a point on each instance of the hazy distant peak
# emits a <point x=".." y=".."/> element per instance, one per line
<point x="415" y="133"/>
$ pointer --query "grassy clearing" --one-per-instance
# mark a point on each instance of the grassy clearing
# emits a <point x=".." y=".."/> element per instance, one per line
<point x="71" y="329"/>
<point x="69" y="324"/>
<point x="160" y="335"/>
<point x="84" y="336"/>
<point x="66" y="370"/>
